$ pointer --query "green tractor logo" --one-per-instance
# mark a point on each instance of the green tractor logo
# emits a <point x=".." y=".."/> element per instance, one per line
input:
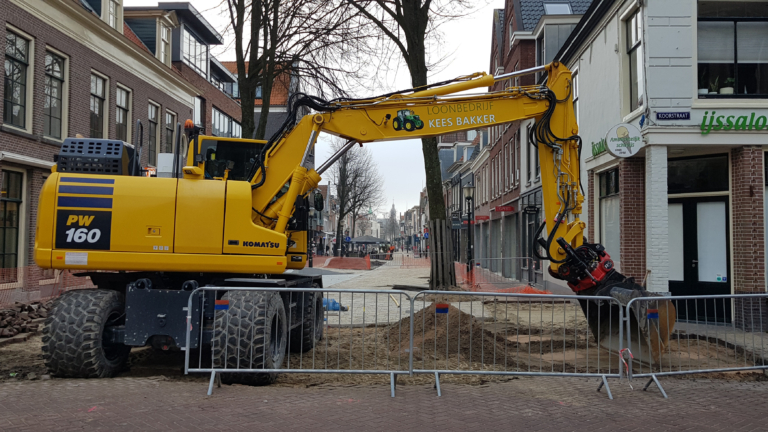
<point x="407" y="120"/>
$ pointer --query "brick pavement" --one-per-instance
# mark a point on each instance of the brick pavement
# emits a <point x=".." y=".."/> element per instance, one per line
<point x="531" y="404"/>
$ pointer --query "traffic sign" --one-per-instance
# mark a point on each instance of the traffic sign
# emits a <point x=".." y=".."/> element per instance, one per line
<point x="346" y="239"/>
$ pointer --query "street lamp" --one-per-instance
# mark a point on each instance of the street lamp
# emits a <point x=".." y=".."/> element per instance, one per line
<point x="469" y="190"/>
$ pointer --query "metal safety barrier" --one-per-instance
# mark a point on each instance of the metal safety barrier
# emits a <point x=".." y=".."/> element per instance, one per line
<point x="516" y="334"/>
<point x="240" y="334"/>
<point x="715" y="333"/>
<point x="236" y="338"/>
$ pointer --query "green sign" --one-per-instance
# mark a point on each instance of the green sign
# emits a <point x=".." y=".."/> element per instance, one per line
<point x="599" y="147"/>
<point x="720" y="122"/>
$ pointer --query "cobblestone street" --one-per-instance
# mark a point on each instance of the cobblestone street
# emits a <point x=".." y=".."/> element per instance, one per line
<point x="531" y="404"/>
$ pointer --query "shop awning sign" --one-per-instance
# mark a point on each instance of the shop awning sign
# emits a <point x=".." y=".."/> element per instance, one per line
<point x="624" y="140"/>
<point x="482" y="218"/>
<point x="504" y="209"/>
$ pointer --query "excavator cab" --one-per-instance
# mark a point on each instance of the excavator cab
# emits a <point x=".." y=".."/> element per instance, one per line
<point x="229" y="158"/>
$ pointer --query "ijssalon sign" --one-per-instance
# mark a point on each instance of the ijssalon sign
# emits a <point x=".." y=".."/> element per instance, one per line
<point x="624" y="140"/>
<point x="714" y="122"/>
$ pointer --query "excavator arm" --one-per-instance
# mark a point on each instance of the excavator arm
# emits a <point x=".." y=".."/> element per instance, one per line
<point x="432" y="112"/>
<point x="586" y="267"/>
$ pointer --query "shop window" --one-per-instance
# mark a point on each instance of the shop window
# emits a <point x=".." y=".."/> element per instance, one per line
<point x="732" y="49"/>
<point x="10" y="206"/>
<point x="610" y="227"/>
<point x="701" y="174"/>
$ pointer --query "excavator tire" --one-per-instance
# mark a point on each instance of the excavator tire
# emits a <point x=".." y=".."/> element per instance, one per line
<point x="304" y="337"/>
<point x="251" y="334"/>
<point x="72" y="335"/>
<point x="397" y="124"/>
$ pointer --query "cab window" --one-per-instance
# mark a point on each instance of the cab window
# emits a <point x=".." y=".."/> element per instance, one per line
<point x="236" y="156"/>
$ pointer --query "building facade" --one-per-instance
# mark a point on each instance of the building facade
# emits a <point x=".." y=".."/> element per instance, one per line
<point x="687" y="212"/>
<point x="507" y="172"/>
<point x="77" y="68"/>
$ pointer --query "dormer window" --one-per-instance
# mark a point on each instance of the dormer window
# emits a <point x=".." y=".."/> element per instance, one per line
<point x="195" y="53"/>
<point x="165" y="45"/>
<point x="557" y="9"/>
<point x="115" y="14"/>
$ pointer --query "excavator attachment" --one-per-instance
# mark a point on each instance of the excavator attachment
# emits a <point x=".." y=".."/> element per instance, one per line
<point x="590" y="272"/>
<point x="651" y="321"/>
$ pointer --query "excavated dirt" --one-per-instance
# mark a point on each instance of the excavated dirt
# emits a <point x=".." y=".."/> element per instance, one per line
<point x="513" y="336"/>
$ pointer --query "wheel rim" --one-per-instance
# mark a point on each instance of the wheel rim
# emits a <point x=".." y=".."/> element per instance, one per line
<point x="275" y="336"/>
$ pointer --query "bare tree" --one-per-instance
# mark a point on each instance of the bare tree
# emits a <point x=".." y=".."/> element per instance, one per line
<point x="411" y="26"/>
<point x="311" y="42"/>
<point x="358" y="185"/>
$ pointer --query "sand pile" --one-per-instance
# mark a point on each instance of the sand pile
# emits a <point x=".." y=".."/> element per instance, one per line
<point x="456" y="336"/>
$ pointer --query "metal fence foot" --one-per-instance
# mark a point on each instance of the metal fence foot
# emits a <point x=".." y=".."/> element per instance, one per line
<point x="210" y="385"/>
<point x="607" y="388"/>
<point x="437" y="384"/>
<point x="658" y="384"/>
<point x="392" y="383"/>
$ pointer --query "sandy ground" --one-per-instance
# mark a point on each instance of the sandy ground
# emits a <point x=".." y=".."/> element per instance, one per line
<point x="478" y="333"/>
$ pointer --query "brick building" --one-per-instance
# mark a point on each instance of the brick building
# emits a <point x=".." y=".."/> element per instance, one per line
<point x="77" y="67"/>
<point x="215" y="107"/>
<point x="687" y="212"/>
<point x="525" y="34"/>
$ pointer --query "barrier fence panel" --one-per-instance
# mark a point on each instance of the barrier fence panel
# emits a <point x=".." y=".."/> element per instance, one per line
<point x="712" y="334"/>
<point x="516" y="334"/>
<point x="513" y="275"/>
<point x="236" y="330"/>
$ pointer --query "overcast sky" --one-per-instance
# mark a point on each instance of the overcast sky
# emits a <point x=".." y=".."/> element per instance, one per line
<point x="468" y="44"/>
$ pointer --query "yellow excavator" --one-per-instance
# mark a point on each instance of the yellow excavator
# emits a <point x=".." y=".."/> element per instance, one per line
<point x="234" y="212"/>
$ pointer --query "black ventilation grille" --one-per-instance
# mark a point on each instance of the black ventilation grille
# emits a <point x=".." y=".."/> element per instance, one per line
<point x="95" y="156"/>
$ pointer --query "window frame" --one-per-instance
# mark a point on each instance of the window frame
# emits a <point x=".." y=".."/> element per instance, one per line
<point x="152" y="132"/>
<point x="191" y="59"/>
<point x="21" y="232"/>
<point x="104" y="107"/>
<point x="172" y="127"/>
<point x="128" y="109"/>
<point x="735" y="21"/>
<point x="575" y="85"/>
<point x="107" y="15"/>
<point x="600" y="198"/>
<point x="634" y="47"/>
<point x="64" y="120"/>
<point x="164" y="46"/>
<point x="29" y="77"/>
<point x="198" y="111"/>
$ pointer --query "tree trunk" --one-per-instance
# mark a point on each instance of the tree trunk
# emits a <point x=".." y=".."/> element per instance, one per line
<point x="441" y="257"/>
